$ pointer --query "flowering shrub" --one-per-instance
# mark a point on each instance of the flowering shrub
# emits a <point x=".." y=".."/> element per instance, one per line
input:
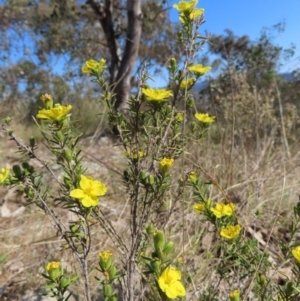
<point x="155" y="135"/>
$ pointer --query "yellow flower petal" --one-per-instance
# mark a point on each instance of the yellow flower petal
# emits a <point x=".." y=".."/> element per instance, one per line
<point x="296" y="253"/>
<point x="77" y="193"/>
<point x="89" y="201"/>
<point x="85" y="69"/>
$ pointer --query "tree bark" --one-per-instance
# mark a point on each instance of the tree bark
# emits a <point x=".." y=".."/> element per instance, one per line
<point x="121" y="69"/>
<point x="133" y="37"/>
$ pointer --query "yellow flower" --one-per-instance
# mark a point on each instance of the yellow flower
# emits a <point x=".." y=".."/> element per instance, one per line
<point x="54" y="269"/>
<point x="165" y="164"/>
<point x="296" y="253"/>
<point x="169" y="283"/>
<point x="55" y="114"/>
<point x="134" y="154"/>
<point x="234" y="296"/>
<point x="199" y="69"/>
<point x="194" y="14"/>
<point x="230" y="232"/>
<point x="199" y="208"/>
<point x="105" y="255"/>
<point x="4" y="174"/>
<point x="193" y="176"/>
<point x="187" y="83"/>
<point x="52" y="265"/>
<point x="222" y="209"/>
<point x="89" y="191"/>
<point x="185" y="6"/>
<point x="179" y="116"/>
<point x="92" y="65"/>
<point x="156" y="95"/>
<point x="205" y="118"/>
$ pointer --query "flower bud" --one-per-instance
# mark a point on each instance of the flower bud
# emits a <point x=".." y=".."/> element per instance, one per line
<point x="150" y="229"/>
<point x="7" y="120"/>
<point x="190" y="103"/>
<point x="59" y="136"/>
<point x="64" y="282"/>
<point x="142" y="175"/>
<point x="17" y="170"/>
<point x="155" y="264"/>
<point x="47" y="100"/>
<point x="107" y="290"/>
<point x="68" y="155"/>
<point x="32" y="142"/>
<point x="193" y="127"/>
<point x="169" y="247"/>
<point x="112" y="272"/>
<point x="173" y="64"/>
<point x="150" y="180"/>
<point x="159" y="240"/>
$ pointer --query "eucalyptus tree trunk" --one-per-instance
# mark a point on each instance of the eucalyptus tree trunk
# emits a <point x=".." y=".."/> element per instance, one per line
<point x="122" y="63"/>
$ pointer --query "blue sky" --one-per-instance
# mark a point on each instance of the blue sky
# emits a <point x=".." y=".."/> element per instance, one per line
<point x="250" y="16"/>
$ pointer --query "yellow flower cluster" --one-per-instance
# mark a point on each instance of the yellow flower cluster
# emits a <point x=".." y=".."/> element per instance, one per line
<point x="134" y="154"/>
<point x="57" y="113"/>
<point x="4" y="174"/>
<point x="169" y="283"/>
<point x="105" y="255"/>
<point x="52" y="265"/>
<point x="188" y="10"/>
<point x="205" y="118"/>
<point x="187" y="83"/>
<point x="92" y="65"/>
<point x="156" y="95"/>
<point x="234" y="296"/>
<point x="165" y="164"/>
<point x="180" y="116"/>
<point x="193" y="176"/>
<point x="89" y="191"/>
<point x="222" y="209"/>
